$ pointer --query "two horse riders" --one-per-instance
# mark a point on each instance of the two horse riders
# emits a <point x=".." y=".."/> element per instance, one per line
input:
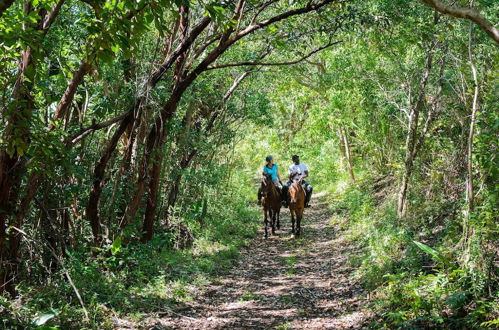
<point x="297" y="170"/>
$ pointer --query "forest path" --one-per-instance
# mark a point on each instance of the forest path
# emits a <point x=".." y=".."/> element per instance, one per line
<point x="283" y="283"/>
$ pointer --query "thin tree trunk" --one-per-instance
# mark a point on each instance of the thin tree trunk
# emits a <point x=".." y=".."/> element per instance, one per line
<point x="348" y="156"/>
<point x="412" y="134"/>
<point x="155" y="177"/>
<point x="469" y="157"/>
<point x="341" y="148"/>
<point x="99" y="171"/>
<point x="68" y="96"/>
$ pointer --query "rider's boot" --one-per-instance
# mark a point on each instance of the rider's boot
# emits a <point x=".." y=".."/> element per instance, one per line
<point x="284" y="196"/>
<point x="307" y="199"/>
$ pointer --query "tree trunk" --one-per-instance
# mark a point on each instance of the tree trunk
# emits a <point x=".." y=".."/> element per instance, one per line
<point x="99" y="171"/>
<point x="341" y="148"/>
<point x="152" y="199"/>
<point x="469" y="157"/>
<point x="12" y="168"/>
<point x="69" y="93"/>
<point x="348" y="155"/>
<point x="412" y="134"/>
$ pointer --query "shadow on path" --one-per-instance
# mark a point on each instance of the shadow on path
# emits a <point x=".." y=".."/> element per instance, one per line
<point x="282" y="283"/>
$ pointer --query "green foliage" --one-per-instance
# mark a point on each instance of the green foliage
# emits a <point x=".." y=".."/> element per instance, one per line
<point x="434" y="268"/>
<point x="413" y="285"/>
<point x="42" y="319"/>
<point x="434" y="254"/>
<point x="125" y="280"/>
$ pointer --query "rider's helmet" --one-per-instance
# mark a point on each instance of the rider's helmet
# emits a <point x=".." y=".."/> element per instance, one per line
<point x="268" y="158"/>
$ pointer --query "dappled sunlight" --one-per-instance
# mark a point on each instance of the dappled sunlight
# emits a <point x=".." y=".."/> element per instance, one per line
<point x="138" y="137"/>
<point x="304" y="282"/>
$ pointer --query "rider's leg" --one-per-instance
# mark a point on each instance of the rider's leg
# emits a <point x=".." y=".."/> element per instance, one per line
<point x="284" y="193"/>
<point x="308" y="192"/>
<point x="278" y="184"/>
<point x="259" y="198"/>
<point x="308" y="195"/>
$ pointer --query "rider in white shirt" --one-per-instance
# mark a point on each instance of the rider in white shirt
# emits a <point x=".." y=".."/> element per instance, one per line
<point x="297" y="170"/>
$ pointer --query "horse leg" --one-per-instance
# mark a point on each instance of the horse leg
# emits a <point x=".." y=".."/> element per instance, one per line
<point x="278" y="219"/>
<point x="265" y="223"/>
<point x="292" y="222"/>
<point x="299" y="216"/>
<point x="274" y="213"/>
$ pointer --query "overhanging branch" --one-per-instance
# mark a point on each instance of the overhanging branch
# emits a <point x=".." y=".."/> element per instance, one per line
<point x="467" y="13"/>
<point x="249" y="63"/>
<point x="97" y="126"/>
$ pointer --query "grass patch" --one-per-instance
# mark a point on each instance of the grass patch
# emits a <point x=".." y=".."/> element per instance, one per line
<point x="249" y="296"/>
<point x="284" y="326"/>
<point x="286" y="299"/>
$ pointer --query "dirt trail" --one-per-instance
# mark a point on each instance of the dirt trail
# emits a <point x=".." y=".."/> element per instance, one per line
<point x="283" y="283"/>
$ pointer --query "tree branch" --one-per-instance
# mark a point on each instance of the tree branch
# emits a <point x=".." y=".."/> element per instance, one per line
<point x="196" y="31"/>
<point x="94" y="127"/>
<point x="466" y="13"/>
<point x="49" y="19"/>
<point x="304" y="10"/>
<point x="226" y="65"/>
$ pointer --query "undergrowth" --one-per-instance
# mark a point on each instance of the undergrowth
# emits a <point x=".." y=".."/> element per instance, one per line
<point x="419" y="274"/>
<point x="126" y="281"/>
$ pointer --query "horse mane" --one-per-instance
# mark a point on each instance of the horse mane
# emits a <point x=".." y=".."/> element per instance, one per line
<point x="270" y="186"/>
<point x="296" y="187"/>
<point x="297" y="183"/>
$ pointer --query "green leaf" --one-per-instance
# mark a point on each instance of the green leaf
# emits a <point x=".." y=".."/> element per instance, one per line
<point x="42" y="319"/>
<point x="434" y="254"/>
<point x="116" y="246"/>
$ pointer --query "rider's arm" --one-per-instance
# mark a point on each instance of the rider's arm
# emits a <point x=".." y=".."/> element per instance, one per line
<point x="306" y="174"/>
<point x="278" y="176"/>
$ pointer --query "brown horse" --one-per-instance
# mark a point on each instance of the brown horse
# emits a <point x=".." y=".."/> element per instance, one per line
<point x="296" y="206"/>
<point x="271" y="201"/>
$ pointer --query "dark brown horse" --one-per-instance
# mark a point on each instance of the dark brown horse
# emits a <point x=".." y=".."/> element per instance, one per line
<point x="296" y="206"/>
<point x="271" y="202"/>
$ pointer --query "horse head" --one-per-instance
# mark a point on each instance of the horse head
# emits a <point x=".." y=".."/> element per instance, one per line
<point x="267" y="179"/>
<point x="296" y="192"/>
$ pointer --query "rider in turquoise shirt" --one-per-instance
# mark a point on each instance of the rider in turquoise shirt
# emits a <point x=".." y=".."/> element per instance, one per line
<point x="273" y="170"/>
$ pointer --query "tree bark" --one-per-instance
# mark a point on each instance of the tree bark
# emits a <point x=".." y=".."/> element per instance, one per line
<point x="413" y="133"/>
<point x="466" y="13"/>
<point x="68" y="96"/>
<point x="469" y="157"/>
<point x="341" y="148"/>
<point x="99" y="171"/>
<point x="348" y="155"/>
